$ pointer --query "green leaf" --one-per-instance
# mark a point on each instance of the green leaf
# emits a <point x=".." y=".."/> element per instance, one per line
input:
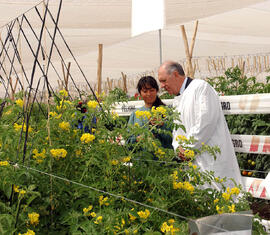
<point x="6" y="224"/>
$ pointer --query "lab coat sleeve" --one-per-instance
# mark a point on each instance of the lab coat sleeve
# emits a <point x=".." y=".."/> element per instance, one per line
<point x="207" y="113"/>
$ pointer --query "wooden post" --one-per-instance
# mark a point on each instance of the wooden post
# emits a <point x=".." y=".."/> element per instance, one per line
<point x="254" y="63"/>
<point x="99" y="70"/>
<point x="260" y="66"/>
<point x="13" y="89"/>
<point x="109" y="83"/>
<point x="248" y="64"/>
<point x="67" y="76"/>
<point x="208" y="66"/>
<point x="124" y="76"/>
<point x="189" y="51"/>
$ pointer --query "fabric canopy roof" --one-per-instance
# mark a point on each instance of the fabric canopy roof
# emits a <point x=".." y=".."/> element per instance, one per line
<point x="226" y="27"/>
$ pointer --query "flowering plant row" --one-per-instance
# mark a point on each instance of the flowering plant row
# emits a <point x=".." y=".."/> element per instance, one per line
<point x="69" y="171"/>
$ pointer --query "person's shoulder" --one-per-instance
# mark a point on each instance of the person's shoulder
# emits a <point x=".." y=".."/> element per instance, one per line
<point x="137" y="109"/>
<point x="200" y="83"/>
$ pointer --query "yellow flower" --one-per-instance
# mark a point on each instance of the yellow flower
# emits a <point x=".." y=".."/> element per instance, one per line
<point x="143" y="114"/>
<point x="61" y="106"/>
<point x="93" y="214"/>
<point x="29" y="232"/>
<point x="226" y="196"/>
<point x="16" y="188"/>
<point x="19" y="127"/>
<point x="235" y="191"/>
<point x="191" y="165"/>
<point x="98" y="220"/>
<point x="144" y="214"/>
<point x="58" y="116"/>
<point x="158" y="110"/>
<point x="103" y="201"/>
<point x="126" y="159"/>
<point x="39" y="156"/>
<point x="34" y="218"/>
<point x="114" y="115"/>
<point x="63" y="93"/>
<point x="189" y="153"/>
<point x="58" y="153"/>
<point x="19" y="102"/>
<point x="175" y="175"/>
<point x="159" y="152"/>
<point x="52" y="114"/>
<point x="216" y="201"/>
<point x="4" y="163"/>
<point x="135" y="231"/>
<point x="181" y="137"/>
<point x="92" y="104"/>
<point x="177" y="185"/>
<point x="123" y="222"/>
<point x="22" y="192"/>
<point x="165" y="228"/>
<point x="87" y="138"/>
<point x="232" y="208"/>
<point x="114" y="162"/>
<point x="188" y="186"/>
<point x="64" y="126"/>
<point x="86" y="209"/>
<point x="67" y="102"/>
<point x="131" y="217"/>
<point x="8" y="112"/>
<point x="171" y="221"/>
<point x="78" y="152"/>
<point x="136" y="124"/>
<point x="219" y="210"/>
<point x="173" y="230"/>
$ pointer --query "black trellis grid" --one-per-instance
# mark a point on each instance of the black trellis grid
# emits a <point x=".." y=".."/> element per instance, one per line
<point x="9" y="53"/>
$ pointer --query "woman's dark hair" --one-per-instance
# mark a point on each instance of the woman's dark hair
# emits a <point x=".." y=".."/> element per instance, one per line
<point x="149" y="81"/>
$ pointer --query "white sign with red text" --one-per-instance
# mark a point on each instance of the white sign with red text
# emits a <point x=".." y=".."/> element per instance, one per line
<point x="251" y="144"/>
<point x="235" y="104"/>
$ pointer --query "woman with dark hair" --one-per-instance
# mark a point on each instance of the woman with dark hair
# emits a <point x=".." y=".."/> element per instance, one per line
<point x="148" y="89"/>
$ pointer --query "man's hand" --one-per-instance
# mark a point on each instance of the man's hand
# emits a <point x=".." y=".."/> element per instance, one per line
<point x="154" y="121"/>
<point x="181" y="153"/>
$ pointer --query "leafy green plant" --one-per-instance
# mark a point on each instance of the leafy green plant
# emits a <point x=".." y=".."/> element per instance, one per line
<point x="63" y="180"/>
<point x="235" y="83"/>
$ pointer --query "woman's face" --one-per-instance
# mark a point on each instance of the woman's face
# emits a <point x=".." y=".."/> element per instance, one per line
<point x="149" y="95"/>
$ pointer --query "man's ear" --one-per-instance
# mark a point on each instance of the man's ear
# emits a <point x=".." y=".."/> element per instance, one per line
<point x="175" y="73"/>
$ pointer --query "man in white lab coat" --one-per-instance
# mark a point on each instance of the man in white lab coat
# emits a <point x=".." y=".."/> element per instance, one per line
<point x="201" y="114"/>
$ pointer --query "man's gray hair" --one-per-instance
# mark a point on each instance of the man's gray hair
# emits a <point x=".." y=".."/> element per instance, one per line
<point x="174" y="66"/>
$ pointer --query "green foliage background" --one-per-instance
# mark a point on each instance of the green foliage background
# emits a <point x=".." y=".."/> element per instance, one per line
<point x="234" y="83"/>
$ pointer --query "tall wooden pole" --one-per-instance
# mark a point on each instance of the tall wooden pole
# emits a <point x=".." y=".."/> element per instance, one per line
<point x="99" y="70"/>
<point x="189" y="51"/>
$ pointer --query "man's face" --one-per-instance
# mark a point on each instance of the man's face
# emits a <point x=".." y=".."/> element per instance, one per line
<point x="167" y="81"/>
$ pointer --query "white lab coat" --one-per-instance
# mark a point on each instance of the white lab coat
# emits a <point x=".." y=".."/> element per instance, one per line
<point x="201" y="114"/>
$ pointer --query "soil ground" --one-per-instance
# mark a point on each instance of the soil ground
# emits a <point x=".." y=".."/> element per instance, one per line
<point x="261" y="207"/>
